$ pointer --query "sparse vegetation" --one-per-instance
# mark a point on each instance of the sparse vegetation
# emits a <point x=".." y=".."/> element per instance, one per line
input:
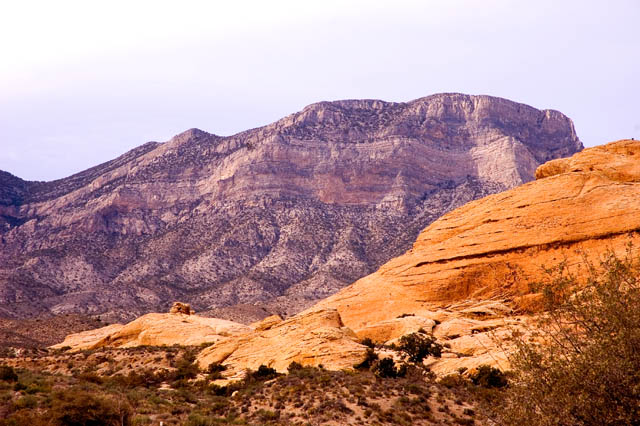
<point x="386" y="368"/>
<point x="79" y="407"/>
<point x="102" y="387"/>
<point x="8" y="374"/>
<point x="488" y="377"/>
<point x="581" y="366"/>
<point x="418" y="346"/>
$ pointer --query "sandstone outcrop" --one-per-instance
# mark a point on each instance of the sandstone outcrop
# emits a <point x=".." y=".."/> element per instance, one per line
<point x="496" y="246"/>
<point x="466" y="278"/>
<point x="266" y="323"/>
<point x="471" y="269"/>
<point x="181" y="308"/>
<point x="315" y="338"/>
<point x="280" y="215"/>
<point x="156" y="330"/>
<point x="384" y="332"/>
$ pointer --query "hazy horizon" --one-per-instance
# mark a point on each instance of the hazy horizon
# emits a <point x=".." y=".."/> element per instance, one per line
<point x="82" y="85"/>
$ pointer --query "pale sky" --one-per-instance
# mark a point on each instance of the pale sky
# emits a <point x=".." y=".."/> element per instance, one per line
<point x="81" y="84"/>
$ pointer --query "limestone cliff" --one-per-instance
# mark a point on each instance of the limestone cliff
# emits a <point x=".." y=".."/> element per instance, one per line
<point x="284" y="214"/>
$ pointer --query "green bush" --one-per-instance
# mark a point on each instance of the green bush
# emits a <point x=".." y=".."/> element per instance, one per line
<point x="80" y="408"/>
<point x="215" y="370"/>
<point x="386" y="368"/>
<point x="488" y="377"/>
<point x="453" y="381"/>
<point x="197" y="419"/>
<point x="27" y="401"/>
<point x="581" y="364"/>
<point x="368" y="362"/>
<point x="294" y="366"/>
<point x="419" y="346"/>
<point x="262" y="373"/>
<point x="368" y="343"/>
<point x="186" y="368"/>
<point x="8" y="374"/>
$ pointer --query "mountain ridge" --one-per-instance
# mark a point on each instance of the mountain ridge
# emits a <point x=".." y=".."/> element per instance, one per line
<point x="282" y="214"/>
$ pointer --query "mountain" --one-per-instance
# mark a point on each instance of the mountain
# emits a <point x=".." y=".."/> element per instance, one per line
<point x="466" y="278"/>
<point x="267" y="220"/>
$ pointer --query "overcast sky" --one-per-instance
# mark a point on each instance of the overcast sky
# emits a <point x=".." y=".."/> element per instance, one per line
<point x="82" y="84"/>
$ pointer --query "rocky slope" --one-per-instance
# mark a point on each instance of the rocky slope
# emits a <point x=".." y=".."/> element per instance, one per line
<point x="495" y="246"/>
<point x="471" y="270"/>
<point x="466" y="279"/>
<point x="283" y="214"/>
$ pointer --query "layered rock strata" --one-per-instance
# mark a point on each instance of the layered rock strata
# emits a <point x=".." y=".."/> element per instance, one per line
<point x="466" y="279"/>
<point x="282" y="215"/>
<point x="496" y="246"/>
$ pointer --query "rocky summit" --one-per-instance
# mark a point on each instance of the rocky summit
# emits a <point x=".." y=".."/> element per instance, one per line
<point x="271" y="219"/>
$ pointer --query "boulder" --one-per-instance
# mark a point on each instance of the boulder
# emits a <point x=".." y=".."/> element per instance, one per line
<point x="181" y="308"/>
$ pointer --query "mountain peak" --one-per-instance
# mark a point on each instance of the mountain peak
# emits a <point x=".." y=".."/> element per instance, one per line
<point x="282" y="214"/>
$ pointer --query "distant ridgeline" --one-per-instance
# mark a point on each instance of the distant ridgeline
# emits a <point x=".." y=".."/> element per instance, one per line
<point x="267" y="220"/>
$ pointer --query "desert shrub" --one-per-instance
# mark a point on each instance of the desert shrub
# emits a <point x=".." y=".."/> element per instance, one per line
<point x="186" y="368"/>
<point x="368" y="362"/>
<point x="419" y="346"/>
<point x="140" y="420"/>
<point x="453" y="381"/>
<point x="27" y="401"/>
<point x="262" y="373"/>
<point x="488" y="377"/>
<point x="8" y="374"/>
<point x="142" y="378"/>
<point x="294" y="366"/>
<point x="331" y="406"/>
<point x="215" y="370"/>
<point x="386" y="368"/>
<point x="91" y="377"/>
<point x="581" y="366"/>
<point x="197" y="419"/>
<point x="368" y="343"/>
<point x="24" y="417"/>
<point x="80" y="408"/>
<point x="267" y="415"/>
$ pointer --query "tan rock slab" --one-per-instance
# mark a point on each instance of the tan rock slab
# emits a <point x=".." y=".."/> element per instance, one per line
<point x="385" y="331"/>
<point x="157" y="330"/>
<point x="315" y="338"/>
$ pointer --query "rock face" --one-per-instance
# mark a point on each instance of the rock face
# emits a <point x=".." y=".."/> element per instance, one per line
<point x="156" y="330"/>
<point x="495" y="246"/>
<point x="466" y="278"/>
<point x="316" y="338"/>
<point x="471" y="269"/>
<point x="283" y="214"/>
